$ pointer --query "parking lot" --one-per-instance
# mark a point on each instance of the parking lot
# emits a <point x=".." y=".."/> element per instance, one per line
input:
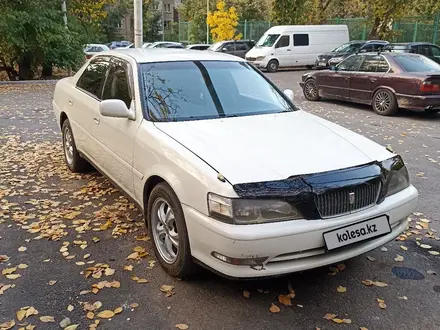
<point x="74" y="239"/>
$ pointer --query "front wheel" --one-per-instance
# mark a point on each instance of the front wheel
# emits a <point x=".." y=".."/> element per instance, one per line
<point x="384" y="102"/>
<point x="167" y="228"/>
<point x="73" y="159"/>
<point x="310" y="90"/>
<point x="272" y="66"/>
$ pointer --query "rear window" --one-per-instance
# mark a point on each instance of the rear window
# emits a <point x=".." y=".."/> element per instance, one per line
<point x="417" y="63"/>
<point x="300" y="39"/>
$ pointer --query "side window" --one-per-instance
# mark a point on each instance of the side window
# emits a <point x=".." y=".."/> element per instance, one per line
<point x="117" y="85"/>
<point x="240" y="46"/>
<point x="351" y="63"/>
<point x="382" y="65"/>
<point x="367" y="48"/>
<point x="435" y="51"/>
<point x="374" y="63"/>
<point x="93" y="76"/>
<point x="229" y="47"/>
<point x="424" y="50"/>
<point x="300" y="39"/>
<point x="283" y="42"/>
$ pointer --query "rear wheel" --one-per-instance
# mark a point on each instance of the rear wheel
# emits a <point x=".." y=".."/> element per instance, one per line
<point x="73" y="159"/>
<point x="167" y="228"/>
<point x="272" y="66"/>
<point x="310" y="90"/>
<point x="384" y="102"/>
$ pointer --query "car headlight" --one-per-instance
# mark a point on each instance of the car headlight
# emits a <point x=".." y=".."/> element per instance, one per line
<point x="397" y="178"/>
<point x="250" y="211"/>
<point x="260" y="58"/>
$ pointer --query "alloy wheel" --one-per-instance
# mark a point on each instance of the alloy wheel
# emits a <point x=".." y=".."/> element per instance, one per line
<point x="382" y="101"/>
<point x="68" y="145"/>
<point x="310" y="90"/>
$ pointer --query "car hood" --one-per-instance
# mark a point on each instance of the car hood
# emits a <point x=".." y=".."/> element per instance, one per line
<point x="273" y="147"/>
<point x="334" y="54"/>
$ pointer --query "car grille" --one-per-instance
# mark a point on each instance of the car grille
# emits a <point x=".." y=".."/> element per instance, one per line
<point x="333" y="203"/>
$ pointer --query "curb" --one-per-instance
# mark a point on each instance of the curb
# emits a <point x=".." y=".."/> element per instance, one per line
<point x="28" y="82"/>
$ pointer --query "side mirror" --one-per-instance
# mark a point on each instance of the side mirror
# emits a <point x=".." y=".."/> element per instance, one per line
<point x="289" y="93"/>
<point x="115" y="108"/>
<point x="334" y="68"/>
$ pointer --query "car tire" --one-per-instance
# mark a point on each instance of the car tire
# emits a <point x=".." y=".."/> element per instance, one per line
<point x="73" y="159"/>
<point x="310" y="90"/>
<point x="384" y="102"/>
<point x="272" y="66"/>
<point x="168" y="232"/>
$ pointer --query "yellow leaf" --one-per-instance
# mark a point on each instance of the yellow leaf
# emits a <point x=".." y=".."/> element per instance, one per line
<point x="182" y="326"/>
<point x="31" y="311"/>
<point x="134" y="305"/>
<point x="403" y="247"/>
<point x="348" y="321"/>
<point x="22" y="248"/>
<point x="329" y="316"/>
<point x="166" y="288"/>
<point x="90" y="315"/>
<point x="21" y="314"/>
<point x="341" y="289"/>
<point x="363" y="328"/>
<point x="382" y="305"/>
<point x="106" y="314"/>
<point x="47" y="319"/>
<point x="246" y="294"/>
<point x="274" y="309"/>
<point x="128" y="268"/>
<point x="52" y="282"/>
<point x="379" y="284"/>
<point x="285" y="300"/>
<point x="115" y="284"/>
<point x="71" y="327"/>
<point x="70" y="308"/>
<point x="425" y="246"/>
<point x="22" y="266"/>
<point x="118" y="310"/>
<point x="13" y="276"/>
<point x="336" y="320"/>
<point x="7" y="325"/>
<point x="8" y="271"/>
<point x="142" y="280"/>
<point x="398" y="258"/>
<point x="134" y="255"/>
<point x="434" y="253"/>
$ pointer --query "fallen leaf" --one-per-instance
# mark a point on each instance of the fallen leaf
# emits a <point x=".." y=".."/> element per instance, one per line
<point x="22" y="266"/>
<point x="274" y="308"/>
<point x="363" y="328"/>
<point x="8" y="271"/>
<point x="398" y="258"/>
<point x="86" y="256"/>
<point x="384" y="249"/>
<point x="329" y="316"/>
<point x="431" y="272"/>
<point x="30" y="327"/>
<point x="367" y="282"/>
<point x="70" y="308"/>
<point x="13" y="276"/>
<point x="3" y="258"/>
<point x="118" y="310"/>
<point x="182" y="326"/>
<point x="133" y="256"/>
<point x="90" y="315"/>
<point x="109" y="271"/>
<point x="403" y="247"/>
<point x="382" y="305"/>
<point x="52" y="282"/>
<point x="380" y="284"/>
<point x="347" y="321"/>
<point x="47" y="319"/>
<point x="22" y="248"/>
<point x="246" y="294"/>
<point x="134" y="305"/>
<point x="21" y="314"/>
<point x="72" y="327"/>
<point x="128" y="268"/>
<point x="403" y="298"/>
<point x="434" y="253"/>
<point x="340" y="267"/>
<point x="336" y="320"/>
<point x="285" y="300"/>
<point x="65" y="322"/>
<point x="31" y="311"/>
<point x="166" y="288"/>
<point x="425" y="246"/>
<point x="106" y="314"/>
<point x="7" y="325"/>
<point x="341" y="289"/>
<point x="371" y="258"/>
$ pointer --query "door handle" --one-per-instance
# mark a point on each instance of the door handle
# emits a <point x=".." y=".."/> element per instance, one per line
<point x="70" y="103"/>
<point x="289" y="50"/>
<point x="96" y="120"/>
<point x="373" y="80"/>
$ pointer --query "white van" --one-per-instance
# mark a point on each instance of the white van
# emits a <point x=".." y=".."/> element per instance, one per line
<point x="295" y="45"/>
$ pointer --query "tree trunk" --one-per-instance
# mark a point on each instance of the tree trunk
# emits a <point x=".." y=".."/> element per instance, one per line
<point x="47" y="71"/>
<point x="25" y="67"/>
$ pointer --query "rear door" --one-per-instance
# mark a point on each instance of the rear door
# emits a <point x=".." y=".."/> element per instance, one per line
<point x="336" y="83"/>
<point x="283" y="50"/>
<point x="84" y="104"/>
<point x="116" y="135"/>
<point x="301" y="50"/>
<point x="364" y="82"/>
<point x="241" y="49"/>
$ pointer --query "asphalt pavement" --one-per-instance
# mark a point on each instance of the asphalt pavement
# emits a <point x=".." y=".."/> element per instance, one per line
<point x="74" y="250"/>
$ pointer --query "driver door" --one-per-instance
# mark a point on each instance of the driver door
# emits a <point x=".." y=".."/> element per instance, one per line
<point x="336" y="83"/>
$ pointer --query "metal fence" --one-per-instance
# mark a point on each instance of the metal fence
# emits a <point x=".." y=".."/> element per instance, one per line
<point x="406" y="29"/>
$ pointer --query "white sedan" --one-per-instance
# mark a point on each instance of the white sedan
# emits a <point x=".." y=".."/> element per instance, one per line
<point x="228" y="172"/>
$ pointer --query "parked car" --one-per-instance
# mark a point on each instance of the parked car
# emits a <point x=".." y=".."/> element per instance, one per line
<point x="198" y="46"/>
<point x="336" y="56"/>
<point x="118" y="44"/>
<point x="424" y="48"/>
<point x="233" y="47"/>
<point x="165" y="44"/>
<point x="237" y="203"/>
<point x="387" y="81"/>
<point x="295" y="45"/>
<point x="92" y="49"/>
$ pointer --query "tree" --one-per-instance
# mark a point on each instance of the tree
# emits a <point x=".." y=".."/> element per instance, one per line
<point x="152" y="21"/>
<point x="194" y="12"/>
<point x="290" y="12"/>
<point x="223" y="22"/>
<point x="251" y="10"/>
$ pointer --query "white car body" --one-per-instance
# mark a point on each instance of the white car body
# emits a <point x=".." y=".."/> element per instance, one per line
<point x="198" y="157"/>
<point x="318" y="39"/>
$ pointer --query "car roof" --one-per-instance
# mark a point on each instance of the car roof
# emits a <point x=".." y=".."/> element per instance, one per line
<point x="414" y="43"/>
<point x="192" y="45"/>
<point x="149" y="55"/>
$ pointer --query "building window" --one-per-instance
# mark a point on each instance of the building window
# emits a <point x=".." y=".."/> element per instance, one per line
<point x="169" y="7"/>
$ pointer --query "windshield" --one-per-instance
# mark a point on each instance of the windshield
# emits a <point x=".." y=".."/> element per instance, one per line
<point x="348" y="48"/>
<point x="267" y="40"/>
<point x="216" y="46"/>
<point x="175" y="91"/>
<point x="417" y="63"/>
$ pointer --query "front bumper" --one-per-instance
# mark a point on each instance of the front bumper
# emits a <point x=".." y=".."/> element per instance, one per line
<point x="289" y="246"/>
<point x="258" y="64"/>
<point x="415" y="102"/>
